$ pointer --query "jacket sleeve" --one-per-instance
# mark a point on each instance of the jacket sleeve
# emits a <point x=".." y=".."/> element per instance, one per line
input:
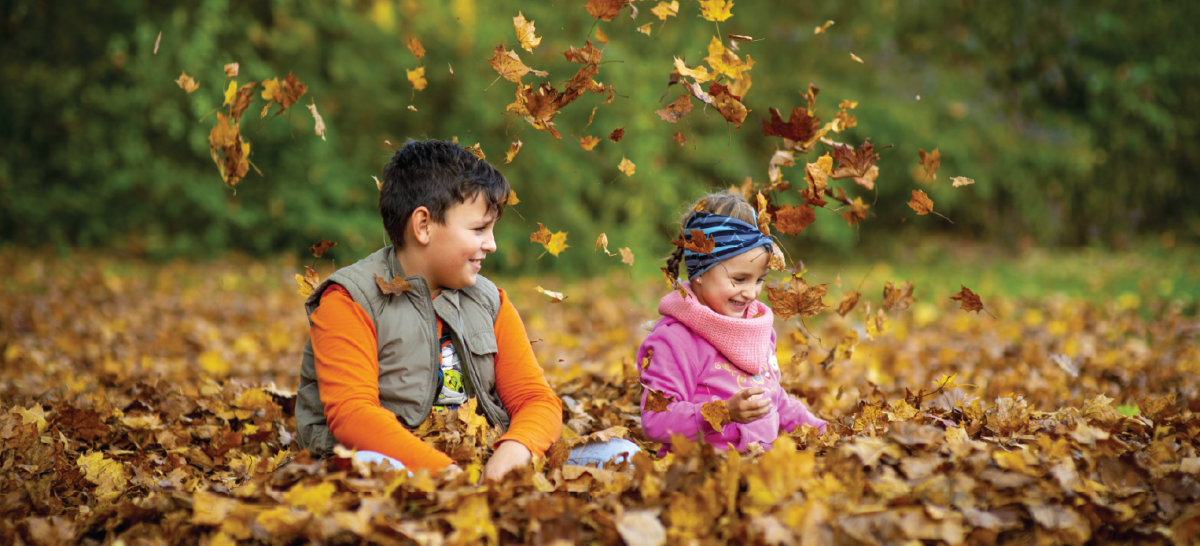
<point x="534" y="409"/>
<point x="674" y="370"/>
<point x="793" y="413"/>
<point x="347" y="361"/>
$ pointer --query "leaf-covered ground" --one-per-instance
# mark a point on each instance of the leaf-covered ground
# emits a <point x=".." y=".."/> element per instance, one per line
<point x="149" y="404"/>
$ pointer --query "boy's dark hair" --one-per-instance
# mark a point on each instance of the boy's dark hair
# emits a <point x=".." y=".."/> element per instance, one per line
<point x="438" y="175"/>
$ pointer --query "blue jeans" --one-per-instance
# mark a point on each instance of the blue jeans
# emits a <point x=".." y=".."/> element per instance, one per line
<point x="598" y="453"/>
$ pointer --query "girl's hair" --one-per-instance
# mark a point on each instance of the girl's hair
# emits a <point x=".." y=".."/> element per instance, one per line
<point x="724" y="203"/>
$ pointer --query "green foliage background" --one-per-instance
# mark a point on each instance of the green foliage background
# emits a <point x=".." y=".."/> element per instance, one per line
<point x="1077" y="121"/>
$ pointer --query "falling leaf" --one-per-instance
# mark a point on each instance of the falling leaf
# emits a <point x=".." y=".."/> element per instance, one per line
<point x="716" y="10"/>
<point x="664" y="10"/>
<point x="699" y="74"/>
<point x="230" y="93"/>
<point x="378" y="183"/>
<point x="800" y="126"/>
<point x="678" y="137"/>
<point x="930" y="161"/>
<point x="509" y="65"/>
<point x="921" y="202"/>
<point x="626" y="166"/>
<point x="601" y="36"/>
<point x="156" y="42"/>
<point x="555" y="297"/>
<point x="626" y="255"/>
<point x="677" y="109"/>
<point x="320" y="248"/>
<point x="308" y="282"/>
<point x="857" y="212"/>
<point x="969" y="300"/>
<point x="417" y="78"/>
<point x="525" y="32"/>
<point x="588" y="142"/>
<point x="554" y="244"/>
<point x="395" y="287"/>
<point x="319" y="128"/>
<point x="845" y="347"/>
<point x="241" y="100"/>
<point x="644" y="29"/>
<point x="285" y="93"/>
<point x="848" y="303"/>
<point x="726" y="62"/>
<point x="716" y="413"/>
<point x="696" y="241"/>
<point x="823" y="27"/>
<point x="617" y="135"/>
<point x="961" y="181"/>
<point x="418" y="50"/>
<point x="657" y="401"/>
<point x="231" y="70"/>
<point x="451" y="67"/>
<point x="186" y="83"/>
<point x="413" y="108"/>
<point x="602" y="242"/>
<point x="605" y="10"/>
<point x="893" y="296"/>
<point x="854" y="163"/>
<point x="477" y="149"/>
<point x="856" y="58"/>
<point x="817" y="175"/>
<point x="731" y="109"/>
<point x="512" y="197"/>
<point x="792" y="219"/>
<point x="848" y="104"/>
<point x="797" y="299"/>
<point x="510" y="154"/>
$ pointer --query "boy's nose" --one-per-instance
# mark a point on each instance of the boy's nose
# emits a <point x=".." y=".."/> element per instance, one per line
<point x="489" y="242"/>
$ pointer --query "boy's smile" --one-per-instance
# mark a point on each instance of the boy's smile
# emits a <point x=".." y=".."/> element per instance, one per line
<point x="454" y="252"/>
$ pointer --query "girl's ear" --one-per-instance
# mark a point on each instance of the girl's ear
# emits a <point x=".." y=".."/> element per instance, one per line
<point x="698" y="280"/>
<point x="419" y="223"/>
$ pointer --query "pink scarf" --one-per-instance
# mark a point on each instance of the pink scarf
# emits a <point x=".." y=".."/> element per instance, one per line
<point x="746" y="342"/>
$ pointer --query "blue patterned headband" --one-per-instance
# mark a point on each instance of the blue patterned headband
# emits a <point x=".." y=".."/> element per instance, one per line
<point x="732" y="237"/>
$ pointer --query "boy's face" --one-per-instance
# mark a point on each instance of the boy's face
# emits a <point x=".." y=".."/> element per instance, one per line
<point x="458" y="247"/>
<point x="730" y="286"/>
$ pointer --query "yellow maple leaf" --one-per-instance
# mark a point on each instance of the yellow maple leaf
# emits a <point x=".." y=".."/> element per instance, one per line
<point x="472" y="522"/>
<point x="316" y="499"/>
<point x="34" y="414"/>
<point x="417" y="78"/>
<point x="700" y="74"/>
<point x="230" y="93"/>
<point x="726" y="62"/>
<point x="558" y="243"/>
<point x="664" y="10"/>
<point x="108" y="475"/>
<point x="716" y="10"/>
<point x="525" y="32"/>
<point x="626" y="167"/>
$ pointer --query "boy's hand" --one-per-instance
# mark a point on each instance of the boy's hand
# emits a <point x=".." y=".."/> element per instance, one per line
<point x="743" y="410"/>
<point x="507" y="456"/>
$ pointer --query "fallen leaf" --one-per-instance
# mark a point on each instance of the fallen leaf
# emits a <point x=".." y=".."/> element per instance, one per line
<point x="525" y="32"/>
<point x="696" y="241"/>
<point x="417" y="78"/>
<point x="186" y="83"/>
<point x="856" y="58"/>
<point x="716" y="10"/>
<point x="822" y="28"/>
<point x="588" y="142"/>
<point x="930" y="161"/>
<point x="921" y="202"/>
<point x="418" y="50"/>
<point x="849" y="301"/>
<point x="716" y="413"/>
<point x="677" y="109"/>
<point x="617" y="135"/>
<point x="395" y="287"/>
<point x="626" y="256"/>
<point x="319" y="128"/>
<point x="961" y="181"/>
<point x="555" y="297"/>
<point x="626" y="166"/>
<point x="792" y="219"/>
<point x="511" y="153"/>
<point x="969" y="300"/>
<point x="320" y="248"/>
<point x="664" y="10"/>
<point x="657" y="401"/>
<point x="108" y="475"/>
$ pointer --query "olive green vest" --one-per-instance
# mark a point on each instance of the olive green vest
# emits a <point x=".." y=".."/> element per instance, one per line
<point x="409" y="352"/>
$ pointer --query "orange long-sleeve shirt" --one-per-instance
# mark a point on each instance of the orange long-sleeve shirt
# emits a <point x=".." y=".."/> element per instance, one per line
<point x="345" y="347"/>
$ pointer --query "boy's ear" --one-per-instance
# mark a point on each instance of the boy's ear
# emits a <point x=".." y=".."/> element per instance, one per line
<point x="418" y="223"/>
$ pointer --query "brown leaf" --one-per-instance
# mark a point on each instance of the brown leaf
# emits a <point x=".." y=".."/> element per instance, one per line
<point x="511" y="153"/>
<point x="854" y="163"/>
<point x="395" y="287"/>
<point x="657" y="401"/>
<point x="921" y="202"/>
<point x="231" y="70"/>
<point x="321" y="247"/>
<point x="308" y="282"/>
<point x="542" y="235"/>
<point x="800" y="127"/>
<point x="677" y="109"/>
<point x="617" y="134"/>
<point x="186" y="83"/>
<point x="696" y="242"/>
<point x="601" y="36"/>
<point x="969" y="300"/>
<point x="602" y="242"/>
<point x="678" y="137"/>
<point x="930" y="161"/>
<point x="731" y="109"/>
<point x="817" y="176"/>
<point x="525" y="32"/>
<point x="792" y="219"/>
<point x="242" y="100"/>
<point x="716" y="413"/>
<point x="418" y="50"/>
<point x="509" y="65"/>
<point x="588" y="142"/>
<point x="797" y="299"/>
<point x="626" y="256"/>
<point x="857" y="212"/>
<point x="893" y="296"/>
<point x="285" y="93"/>
<point x="512" y="196"/>
<point x="605" y="10"/>
<point x="849" y="301"/>
<point x="587" y="55"/>
<point x="554" y="244"/>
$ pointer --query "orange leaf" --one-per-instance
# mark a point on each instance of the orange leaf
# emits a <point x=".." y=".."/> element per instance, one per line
<point x="969" y="300"/>
<point x="588" y="142"/>
<point x="605" y="10"/>
<point x="418" y="50"/>
<point x="893" y="296"/>
<point x="509" y="65"/>
<point x="798" y="298"/>
<point x="856" y="58"/>
<point x="931" y="161"/>
<point x="554" y="244"/>
<point x="716" y="413"/>
<point x="321" y="247"/>
<point x="921" y="202"/>
<point x="587" y="55"/>
<point x="678" y="137"/>
<point x="417" y="78"/>
<point x="308" y="282"/>
<point x="823" y="27"/>
<point x="698" y="242"/>
<point x="657" y="401"/>
<point x="525" y="32"/>
<point x="677" y="109"/>
<point x="849" y="301"/>
<point x="395" y="287"/>
<point x="510" y="154"/>
<point x="792" y="219"/>
<point x="186" y="83"/>
<point x="857" y="212"/>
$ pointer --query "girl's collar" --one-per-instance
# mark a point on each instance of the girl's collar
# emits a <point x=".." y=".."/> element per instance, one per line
<point x="746" y="341"/>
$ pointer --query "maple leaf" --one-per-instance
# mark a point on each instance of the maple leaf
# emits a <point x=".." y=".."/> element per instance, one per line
<point x="617" y="134"/>
<point x="605" y="10"/>
<point x="961" y="181"/>
<point x="800" y="127"/>
<point x="716" y="10"/>
<point x="716" y="413"/>
<point x="781" y="158"/>
<point x="417" y="78"/>
<point x="857" y="212"/>
<point x="893" y="296"/>
<point x="699" y="74"/>
<point x="845" y="347"/>
<point x="657" y="401"/>
<point x="921" y="202"/>
<point x="308" y="282"/>
<point x="555" y="297"/>
<point x="626" y="166"/>
<point x="321" y="247"/>
<point x="626" y="255"/>
<point x="726" y="62"/>
<point x="394" y="287"/>
<point x="696" y="241"/>
<point x="602" y="242"/>
<point x="186" y="83"/>
<point x="798" y="298"/>
<point x="848" y="303"/>
<point x="284" y="93"/>
<point x="242" y="100"/>
<point x="319" y="128"/>
<point x="554" y="244"/>
<point x="792" y="219"/>
<point x="677" y="109"/>
<point x="868" y="181"/>
<point x="418" y="50"/>
<point x="664" y="10"/>
<point x="821" y="29"/>
<point x="678" y="137"/>
<point x="586" y="55"/>
<point x="644" y="29"/>
<point x="601" y="36"/>
<point x="817" y="176"/>
<point x="231" y="70"/>
<point x="525" y="32"/>
<point x="510" y="154"/>
<point x="969" y="301"/>
<point x="588" y="142"/>
<point x="848" y="104"/>
<point x="108" y="475"/>
<point x="509" y="65"/>
<point x="852" y="162"/>
<point x="930" y="161"/>
<point x="225" y="133"/>
<point x="512" y="197"/>
<point x="229" y="93"/>
<point x="731" y="109"/>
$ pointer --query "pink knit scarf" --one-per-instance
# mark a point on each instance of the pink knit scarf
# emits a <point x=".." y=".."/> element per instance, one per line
<point x="746" y="342"/>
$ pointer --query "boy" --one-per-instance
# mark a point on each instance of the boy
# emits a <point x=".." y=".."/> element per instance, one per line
<point x="375" y="364"/>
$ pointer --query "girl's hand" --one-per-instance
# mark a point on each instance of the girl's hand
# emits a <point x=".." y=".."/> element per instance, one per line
<point x="743" y="410"/>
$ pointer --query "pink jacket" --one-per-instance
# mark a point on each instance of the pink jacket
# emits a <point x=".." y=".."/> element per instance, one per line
<point x="687" y="366"/>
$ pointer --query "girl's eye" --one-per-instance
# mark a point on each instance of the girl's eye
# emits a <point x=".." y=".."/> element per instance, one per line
<point x="760" y="281"/>
<point x="739" y="279"/>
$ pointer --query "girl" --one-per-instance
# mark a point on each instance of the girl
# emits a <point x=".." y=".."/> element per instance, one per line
<point x="718" y="343"/>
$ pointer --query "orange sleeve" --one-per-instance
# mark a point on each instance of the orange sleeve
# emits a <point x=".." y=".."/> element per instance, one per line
<point x="535" y="410"/>
<point x="347" y="360"/>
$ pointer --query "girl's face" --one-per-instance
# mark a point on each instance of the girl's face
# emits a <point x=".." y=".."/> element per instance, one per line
<point x="730" y="286"/>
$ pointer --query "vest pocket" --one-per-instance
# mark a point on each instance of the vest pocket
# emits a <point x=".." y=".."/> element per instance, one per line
<point x="483" y="343"/>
